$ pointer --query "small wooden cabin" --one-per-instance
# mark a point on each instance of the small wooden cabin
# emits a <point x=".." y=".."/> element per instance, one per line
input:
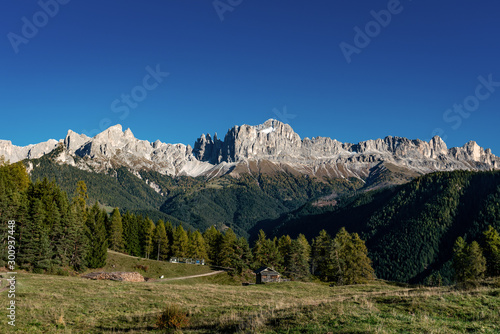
<point x="266" y="275"/>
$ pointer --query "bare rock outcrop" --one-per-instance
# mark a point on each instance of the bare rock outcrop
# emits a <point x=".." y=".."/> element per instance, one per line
<point x="116" y="276"/>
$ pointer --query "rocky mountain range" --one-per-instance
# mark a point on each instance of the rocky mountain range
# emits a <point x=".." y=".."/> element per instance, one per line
<point x="266" y="148"/>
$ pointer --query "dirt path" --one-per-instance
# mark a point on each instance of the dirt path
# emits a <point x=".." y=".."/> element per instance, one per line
<point x="192" y="276"/>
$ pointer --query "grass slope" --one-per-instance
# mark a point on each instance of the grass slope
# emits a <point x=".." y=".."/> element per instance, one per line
<point x="57" y="304"/>
<point x="121" y="262"/>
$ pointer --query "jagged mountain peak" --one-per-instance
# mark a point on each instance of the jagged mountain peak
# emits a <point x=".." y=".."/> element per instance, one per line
<point x="270" y="146"/>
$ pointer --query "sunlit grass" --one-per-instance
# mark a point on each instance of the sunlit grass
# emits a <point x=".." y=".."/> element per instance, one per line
<point x="58" y="304"/>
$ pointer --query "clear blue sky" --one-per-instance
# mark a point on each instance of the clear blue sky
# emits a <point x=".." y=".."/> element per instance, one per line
<point x="76" y="70"/>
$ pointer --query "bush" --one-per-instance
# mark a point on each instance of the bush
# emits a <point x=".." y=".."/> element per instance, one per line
<point x="142" y="267"/>
<point x="173" y="317"/>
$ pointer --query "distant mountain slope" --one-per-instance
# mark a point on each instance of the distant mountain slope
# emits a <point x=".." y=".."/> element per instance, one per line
<point x="410" y="229"/>
<point x="196" y="202"/>
<point x="240" y="203"/>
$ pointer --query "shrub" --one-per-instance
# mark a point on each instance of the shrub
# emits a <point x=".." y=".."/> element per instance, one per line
<point x="142" y="267"/>
<point x="173" y="317"/>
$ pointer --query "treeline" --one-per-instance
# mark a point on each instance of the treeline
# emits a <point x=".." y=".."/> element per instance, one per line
<point x="342" y="259"/>
<point x="55" y="234"/>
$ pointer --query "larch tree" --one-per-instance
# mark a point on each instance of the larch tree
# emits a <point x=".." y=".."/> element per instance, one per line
<point x="213" y="239"/>
<point x="228" y="245"/>
<point x="149" y="228"/>
<point x="475" y="263"/>
<point x="459" y="259"/>
<point x="161" y="241"/>
<point x="259" y="250"/>
<point x="197" y="246"/>
<point x="492" y="251"/>
<point x="180" y="242"/>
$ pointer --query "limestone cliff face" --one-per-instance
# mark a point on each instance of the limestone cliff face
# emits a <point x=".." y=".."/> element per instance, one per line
<point x="114" y="147"/>
<point x="277" y="142"/>
<point x="15" y="153"/>
<point x="266" y="148"/>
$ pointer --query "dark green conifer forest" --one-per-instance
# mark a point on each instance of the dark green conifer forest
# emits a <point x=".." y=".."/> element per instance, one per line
<point x="437" y="229"/>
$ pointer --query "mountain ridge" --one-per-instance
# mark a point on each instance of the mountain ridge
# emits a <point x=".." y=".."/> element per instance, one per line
<point x="268" y="147"/>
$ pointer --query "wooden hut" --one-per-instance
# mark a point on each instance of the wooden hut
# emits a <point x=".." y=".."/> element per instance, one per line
<point x="266" y="275"/>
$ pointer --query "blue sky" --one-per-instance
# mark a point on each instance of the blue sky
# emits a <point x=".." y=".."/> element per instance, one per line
<point x="87" y="65"/>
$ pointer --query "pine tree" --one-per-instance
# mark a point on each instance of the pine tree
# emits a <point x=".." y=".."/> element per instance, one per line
<point x="31" y="231"/>
<point x="242" y="255"/>
<point x="296" y="261"/>
<point x="284" y="244"/>
<point x="77" y="238"/>
<point x="116" y="231"/>
<point x="131" y="234"/>
<point x="96" y="234"/>
<point x="322" y="262"/>
<point x="272" y="255"/>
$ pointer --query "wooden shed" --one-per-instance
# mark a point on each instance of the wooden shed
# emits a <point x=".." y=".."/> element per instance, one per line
<point x="266" y="275"/>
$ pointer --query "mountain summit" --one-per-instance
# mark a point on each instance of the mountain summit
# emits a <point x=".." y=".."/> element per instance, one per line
<point x="270" y="147"/>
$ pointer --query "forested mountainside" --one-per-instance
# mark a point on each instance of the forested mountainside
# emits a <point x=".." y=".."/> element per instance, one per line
<point x="409" y="229"/>
<point x="197" y="202"/>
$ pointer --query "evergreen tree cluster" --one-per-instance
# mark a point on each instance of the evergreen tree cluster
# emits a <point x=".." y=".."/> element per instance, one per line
<point x="473" y="261"/>
<point x="342" y="259"/>
<point x="52" y="232"/>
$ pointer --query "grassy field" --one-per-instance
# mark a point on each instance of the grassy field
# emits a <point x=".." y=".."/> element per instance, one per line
<point x="219" y="304"/>
<point x="120" y="262"/>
